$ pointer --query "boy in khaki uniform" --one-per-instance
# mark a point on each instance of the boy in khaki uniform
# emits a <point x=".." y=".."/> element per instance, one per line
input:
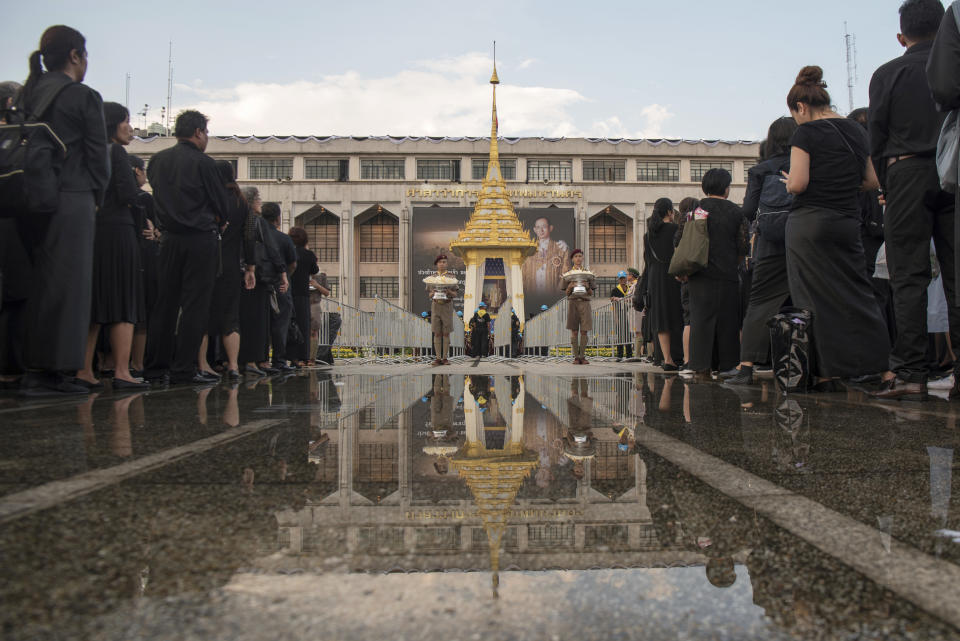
<point x="579" y="314"/>
<point x="441" y="314"/>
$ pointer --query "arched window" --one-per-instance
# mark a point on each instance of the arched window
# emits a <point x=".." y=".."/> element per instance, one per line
<point x="379" y="238"/>
<point x="323" y="232"/>
<point x="608" y="240"/>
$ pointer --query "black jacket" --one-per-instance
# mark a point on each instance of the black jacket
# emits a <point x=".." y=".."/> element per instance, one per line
<point x="943" y="65"/>
<point x="77" y="118"/>
<point x="188" y="193"/>
<point x="751" y="202"/>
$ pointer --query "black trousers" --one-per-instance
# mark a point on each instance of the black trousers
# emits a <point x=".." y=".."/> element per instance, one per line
<point x="188" y="268"/>
<point x="301" y="311"/>
<point x="917" y="210"/>
<point x="280" y="326"/>
<point x="714" y="323"/>
<point x="58" y="310"/>
<point x="769" y="292"/>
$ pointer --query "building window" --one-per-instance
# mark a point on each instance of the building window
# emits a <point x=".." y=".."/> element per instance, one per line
<point x="660" y="171"/>
<point x="605" y="170"/>
<point x="326" y="169"/>
<point x="381" y="169"/>
<point x="699" y="167"/>
<point x="438" y="170"/>
<point x="271" y="168"/>
<point x="508" y="168"/>
<point x="605" y="285"/>
<point x="323" y="233"/>
<point x="747" y="166"/>
<point x="379" y="287"/>
<point x="380" y="239"/>
<point x="608" y="241"/>
<point x="333" y="284"/>
<point x="552" y="170"/>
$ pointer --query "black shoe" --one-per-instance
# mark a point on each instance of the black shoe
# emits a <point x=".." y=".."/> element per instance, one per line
<point x="253" y="370"/>
<point x="121" y="385"/>
<point x="743" y="377"/>
<point x="93" y="387"/>
<point x="210" y="376"/>
<point x="283" y="367"/>
<point x="866" y="378"/>
<point x="197" y="378"/>
<point x="670" y="368"/>
<point x="40" y="384"/>
<point x="269" y="371"/>
<point x="766" y="368"/>
<point x="730" y="373"/>
<point x="233" y="375"/>
<point x="137" y="373"/>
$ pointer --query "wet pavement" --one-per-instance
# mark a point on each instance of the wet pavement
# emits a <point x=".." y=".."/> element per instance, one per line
<point x="491" y="502"/>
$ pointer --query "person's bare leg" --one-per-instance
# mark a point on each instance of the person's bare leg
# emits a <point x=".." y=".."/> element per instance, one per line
<point x="584" y="340"/>
<point x="86" y="374"/>
<point x="202" y="355"/>
<point x="686" y="343"/>
<point x="121" y="341"/>
<point x="664" y="338"/>
<point x="231" y="345"/>
<point x="139" y="349"/>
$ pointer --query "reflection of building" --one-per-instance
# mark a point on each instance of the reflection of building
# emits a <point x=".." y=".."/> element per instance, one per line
<point x="390" y="509"/>
<point x="356" y="196"/>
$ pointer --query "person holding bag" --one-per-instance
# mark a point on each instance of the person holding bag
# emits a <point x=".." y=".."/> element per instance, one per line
<point x="714" y="290"/>
<point x="829" y="166"/>
<point x="664" y="312"/>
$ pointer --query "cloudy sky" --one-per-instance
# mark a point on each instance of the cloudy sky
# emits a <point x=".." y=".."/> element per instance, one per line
<point x="689" y="69"/>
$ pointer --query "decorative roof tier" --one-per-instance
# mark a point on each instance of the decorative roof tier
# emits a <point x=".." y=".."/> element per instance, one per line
<point x="493" y="223"/>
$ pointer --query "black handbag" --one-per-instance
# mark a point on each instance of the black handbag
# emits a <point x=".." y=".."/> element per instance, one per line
<point x="792" y="350"/>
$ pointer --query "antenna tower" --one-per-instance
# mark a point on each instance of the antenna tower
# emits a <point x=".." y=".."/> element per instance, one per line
<point x="126" y="101"/>
<point x="166" y="119"/>
<point x="850" y="43"/>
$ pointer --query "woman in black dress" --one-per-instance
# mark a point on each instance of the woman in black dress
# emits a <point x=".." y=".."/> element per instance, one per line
<point x="150" y="260"/>
<point x="714" y="290"/>
<point x="829" y="166"/>
<point x="237" y="271"/>
<point x="769" y="290"/>
<point x="664" y="312"/>
<point x="255" y="303"/>
<point x="300" y="289"/>
<point x="117" y="273"/>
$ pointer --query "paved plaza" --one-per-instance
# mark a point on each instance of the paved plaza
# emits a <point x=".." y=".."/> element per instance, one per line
<point x="490" y="500"/>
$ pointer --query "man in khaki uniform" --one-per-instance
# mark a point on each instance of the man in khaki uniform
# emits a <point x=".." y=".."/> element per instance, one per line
<point x="579" y="314"/>
<point x="441" y="313"/>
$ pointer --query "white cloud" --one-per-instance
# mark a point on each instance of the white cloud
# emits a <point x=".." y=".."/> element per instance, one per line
<point x="652" y="118"/>
<point x="444" y="97"/>
<point x="526" y="64"/>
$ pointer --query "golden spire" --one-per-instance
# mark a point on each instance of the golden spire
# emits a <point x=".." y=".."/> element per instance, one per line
<point x="494" y="221"/>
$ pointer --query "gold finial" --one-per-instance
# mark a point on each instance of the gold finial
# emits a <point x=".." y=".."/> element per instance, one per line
<point x="494" y="80"/>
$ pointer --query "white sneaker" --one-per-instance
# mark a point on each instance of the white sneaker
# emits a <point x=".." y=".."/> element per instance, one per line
<point x="941" y="383"/>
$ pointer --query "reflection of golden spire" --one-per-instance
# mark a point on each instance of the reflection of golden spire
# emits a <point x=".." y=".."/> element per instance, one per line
<point x="494" y="221"/>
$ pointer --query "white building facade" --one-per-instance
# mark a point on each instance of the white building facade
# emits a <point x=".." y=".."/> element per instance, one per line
<point x="356" y="197"/>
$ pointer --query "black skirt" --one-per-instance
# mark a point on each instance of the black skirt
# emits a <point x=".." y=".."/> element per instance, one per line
<point x="714" y="323"/>
<point x="827" y="275"/>
<point x="117" y="276"/>
<point x="254" y="324"/>
<point x="665" y="312"/>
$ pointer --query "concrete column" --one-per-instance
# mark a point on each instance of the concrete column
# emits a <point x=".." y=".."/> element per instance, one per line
<point x="639" y="229"/>
<point x="471" y="292"/>
<point x="516" y="424"/>
<point x="403" y="269"/>
<point x="518" y="296"/>
<point x="347" y="254"/>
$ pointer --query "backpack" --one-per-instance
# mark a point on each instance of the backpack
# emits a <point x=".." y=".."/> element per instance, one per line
<point x="31" y="157"/>
<point x="773" y="209"/>
<point x="791" y="349"/>
<point x="948" y="145"/>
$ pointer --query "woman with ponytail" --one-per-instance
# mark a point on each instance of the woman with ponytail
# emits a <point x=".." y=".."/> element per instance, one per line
<point x="829" y="167"/>
<point x="664" y="312"/>
<point x="61" y="244"/>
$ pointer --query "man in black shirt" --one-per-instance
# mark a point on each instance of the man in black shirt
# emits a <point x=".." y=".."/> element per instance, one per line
<point x="190" y="200"/>
<point x="280" y="322"/>
<point x="904" y="126"/>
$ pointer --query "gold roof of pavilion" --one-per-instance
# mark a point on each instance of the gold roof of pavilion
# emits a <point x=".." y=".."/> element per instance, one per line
<point x="494" y="223"/>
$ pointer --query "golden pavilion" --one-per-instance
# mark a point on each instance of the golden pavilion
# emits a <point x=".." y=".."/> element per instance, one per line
<point x="493" y="244"/>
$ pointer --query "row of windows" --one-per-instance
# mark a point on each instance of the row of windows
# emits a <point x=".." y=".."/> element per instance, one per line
<point x="449" y="169"/>
<point x="379" y="239"/>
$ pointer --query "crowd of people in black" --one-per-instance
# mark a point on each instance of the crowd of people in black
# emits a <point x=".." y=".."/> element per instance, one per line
<point x="187" y="284"/>
<point x="844" y="218"/>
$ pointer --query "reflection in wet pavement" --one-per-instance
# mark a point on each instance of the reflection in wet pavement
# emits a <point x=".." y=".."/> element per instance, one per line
<point x="335" y="506"/>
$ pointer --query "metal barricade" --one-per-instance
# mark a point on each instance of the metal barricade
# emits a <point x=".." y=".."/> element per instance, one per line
<point x="399" y="336"/>
<point x="347" y="330"/>
<point x="501" y="337"/>
<point x="546" y="335"/>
